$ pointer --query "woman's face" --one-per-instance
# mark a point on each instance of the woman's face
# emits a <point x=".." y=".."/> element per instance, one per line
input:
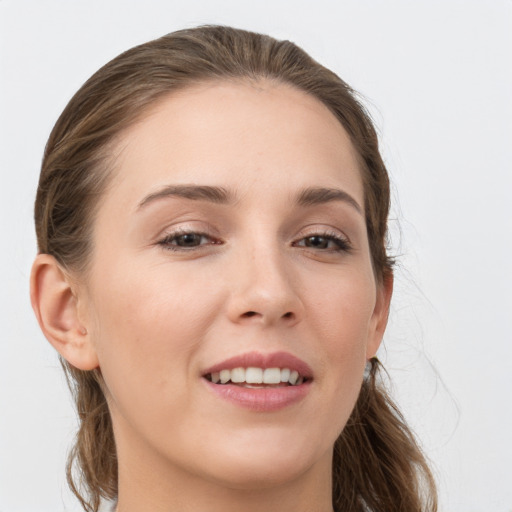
<point x="233" y="236"/>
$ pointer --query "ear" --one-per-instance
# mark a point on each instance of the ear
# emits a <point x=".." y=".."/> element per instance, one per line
<point x="56" y="309"/>
<point x="380" y="315"/>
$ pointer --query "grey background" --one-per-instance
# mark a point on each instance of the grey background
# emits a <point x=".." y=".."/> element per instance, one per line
<point x="437" y="78"/>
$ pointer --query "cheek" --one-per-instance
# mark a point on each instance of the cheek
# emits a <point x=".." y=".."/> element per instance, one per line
<point x="343" y="319"/>
<point x="148" y="305"/>
<point x="147" y="332"/>
<point x="344" y="312"/>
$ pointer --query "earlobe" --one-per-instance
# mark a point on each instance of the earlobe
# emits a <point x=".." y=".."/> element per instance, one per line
<point x="380" y="315"/>
<point x="56" y="309"/>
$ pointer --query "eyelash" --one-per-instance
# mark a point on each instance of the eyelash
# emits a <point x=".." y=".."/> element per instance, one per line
<point x="166" y="242"/>
<point x="341" y="244"/>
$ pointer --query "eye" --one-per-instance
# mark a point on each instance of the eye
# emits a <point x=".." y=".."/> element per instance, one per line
<point x="186" y="240"/>
<point x="324" y="242"/>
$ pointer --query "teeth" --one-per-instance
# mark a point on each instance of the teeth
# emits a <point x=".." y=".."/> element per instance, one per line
<point x="254" y="375"/>
<point x="272" y="376"/>
<point x="238" y="375"/>
<point x="285" y="374"/>
<point x="294" y="376"/>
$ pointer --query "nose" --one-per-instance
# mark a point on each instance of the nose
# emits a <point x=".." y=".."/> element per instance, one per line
<point x="264" y="289"/>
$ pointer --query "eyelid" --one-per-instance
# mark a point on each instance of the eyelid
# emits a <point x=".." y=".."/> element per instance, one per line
<point x="165" y="239"/>
<point x="322" y="229"/>
<point x="332" y="235"/>
<point x="341" y="240"/>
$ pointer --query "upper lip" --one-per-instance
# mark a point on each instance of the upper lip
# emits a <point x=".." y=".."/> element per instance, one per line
<point x="260" y="360"/>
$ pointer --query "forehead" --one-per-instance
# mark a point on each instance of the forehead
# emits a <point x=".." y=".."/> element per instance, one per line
<point x="240" y="135"/>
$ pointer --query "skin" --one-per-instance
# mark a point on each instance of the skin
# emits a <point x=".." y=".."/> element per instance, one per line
<point x="153" y="319"/>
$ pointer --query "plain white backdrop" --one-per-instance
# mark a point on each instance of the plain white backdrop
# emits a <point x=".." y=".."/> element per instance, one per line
<point x="437" y="78"/>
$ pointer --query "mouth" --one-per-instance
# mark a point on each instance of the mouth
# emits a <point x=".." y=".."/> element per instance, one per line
<point x="255" y="377"/>
<point x="260" y="382"/>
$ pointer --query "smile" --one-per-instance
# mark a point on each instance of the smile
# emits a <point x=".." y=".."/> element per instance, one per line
<point x="260" y="382"/>
<point x="259" y="376"/>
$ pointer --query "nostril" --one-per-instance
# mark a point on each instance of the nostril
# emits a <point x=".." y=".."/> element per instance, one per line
<point x="250" y="314"/>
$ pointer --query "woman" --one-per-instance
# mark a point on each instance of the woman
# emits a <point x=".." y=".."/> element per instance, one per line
<point x="211" y="220"/>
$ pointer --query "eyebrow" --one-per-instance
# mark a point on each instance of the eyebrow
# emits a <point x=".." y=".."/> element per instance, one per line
<point x="219" y="195"/>
<point x="321" y="195"/>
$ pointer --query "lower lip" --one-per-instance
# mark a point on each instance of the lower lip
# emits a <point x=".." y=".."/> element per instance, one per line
<point x="260" y="399"/>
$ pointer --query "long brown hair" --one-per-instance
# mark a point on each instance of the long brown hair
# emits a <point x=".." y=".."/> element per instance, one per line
<point x="377" y="465"/>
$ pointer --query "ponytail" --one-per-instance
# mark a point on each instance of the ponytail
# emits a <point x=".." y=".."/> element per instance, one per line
<point x="92" y="462"/>
<point x="377" y="464"/>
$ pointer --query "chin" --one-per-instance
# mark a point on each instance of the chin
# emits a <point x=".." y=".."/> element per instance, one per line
<point x="257" y="476"/>
<point x="268" y="464"/>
